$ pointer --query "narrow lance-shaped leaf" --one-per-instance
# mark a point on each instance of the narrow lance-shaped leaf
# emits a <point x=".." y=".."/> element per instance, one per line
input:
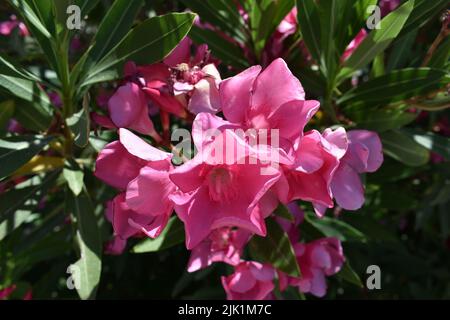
<point x="6" y="112"/>
<point x="276" y="249"/>
<point x="25" y="89"/>
<point x="403" y="148"/>
<point x="74" y="176"/>
<point x="38" y="29"/>
<point x="265" y="16"/>
<point x="433" y="142"/>
<point x="226" y="51"/>
<point x="25" y="196"/>
<point x="308" y="19"/>
<point x="86" y="271"/>
<point x="395" y="86"/>
<point x="18" y="150"/>
<point x="32" y="116"/>
<point x="10" y="67"/>
<point x="378" y="40"/>
<point x="336" y="228"/>
<point x="349" y="275"/>
<point x="423" y="11"/>
<point x="39" y="164"/>
<point x="221" y="13"/>
<point x="380" y="119"/>
<point x="79" y="123"/>
<point x="113" y="28"/>
<point x="148" y="42"/>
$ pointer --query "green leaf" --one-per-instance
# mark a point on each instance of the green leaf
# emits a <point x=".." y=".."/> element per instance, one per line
<point x="44" y="10"/>
<point x="36" y="24"/>
<point x="439" y="102"/>
<point x="308" y="19"/>
<point x="331" y="13"/>
<point x="88" y="238"/>
<point x="32" y="116"/>
<point x="80" y="124"/>
<point x="378" y="40"/>
<point x="395" y="86"/>
<point x="148" y="42"/>
<point x="18" y="150"/>
<point x="55" y="245"/>
<point x="401" y="50"/>
<point x="381" y="119"/>
<point x="441" y="55"/>
<point x="220" y="13"/>
<point x="86" y="6"/>
<point x="112" y="29"/>
<point x="13" y="222"/>
<point x="25" y="196"/>
<point x="172" y="235"/>
<point x="423" y="11"/>
<point x="25" y="89"/>
<point x="11" y="68"/>
<point x="74" y="176"/>
<point x="265" y="16"/>
<point x="336" y="228"/>
<point x="275" y="248"/>
<point x="6" y="112"/>
<point x="31" y="16"/>
<point x="403" y="148"/>
<point x="349" y="275"/>
<point x="283" y="212"/>
<point x="431" y="141"/>
<point x="226" y="51"/>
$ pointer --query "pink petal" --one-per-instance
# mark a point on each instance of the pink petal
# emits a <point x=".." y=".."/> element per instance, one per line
<point x="116" y="166"/>
<point x="235" y="94"/>
<point x="181" y="53"/>
<point x="199" y="258"/>
<point x="141" y="149"/>
<point x="205" y="97"/>
<point x="347" y="188"/>
<point x="149" y="192"/>
<point x="275" y="86"/>
<point x="372" y="142"/>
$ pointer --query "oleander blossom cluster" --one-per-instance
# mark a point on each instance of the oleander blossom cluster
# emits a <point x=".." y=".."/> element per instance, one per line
<point x="227" y="191"/>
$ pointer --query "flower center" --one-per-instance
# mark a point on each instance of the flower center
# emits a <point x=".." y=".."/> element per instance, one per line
<point x="259" y="122"/>
<point x="220" y="238"/>
<point x="221" y="183"/>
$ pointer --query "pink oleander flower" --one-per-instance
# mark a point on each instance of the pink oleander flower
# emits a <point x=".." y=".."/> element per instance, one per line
<point x="14" y="126"/>
<point x="309" y="178"/>
<point x="142" y="173"/>
<point x="55" y="99"/>
<point x="271" y="99"/>
<point x="129" y="223"/>
<point x="317" y="259"/>
<point x="354" y="44"/>
<point x="386" y="6"/>
<point x="364" y="154"/>
<point x="6" y="292"/>
<point x="116" y="245"/>
<point x="7" y="27"/>
<point x="222" y="245"/>
<point x="250" y="281"/>
<point x="181" y="82"/>
<point x="128" y="109"/>
<point x="220" y="188"/>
